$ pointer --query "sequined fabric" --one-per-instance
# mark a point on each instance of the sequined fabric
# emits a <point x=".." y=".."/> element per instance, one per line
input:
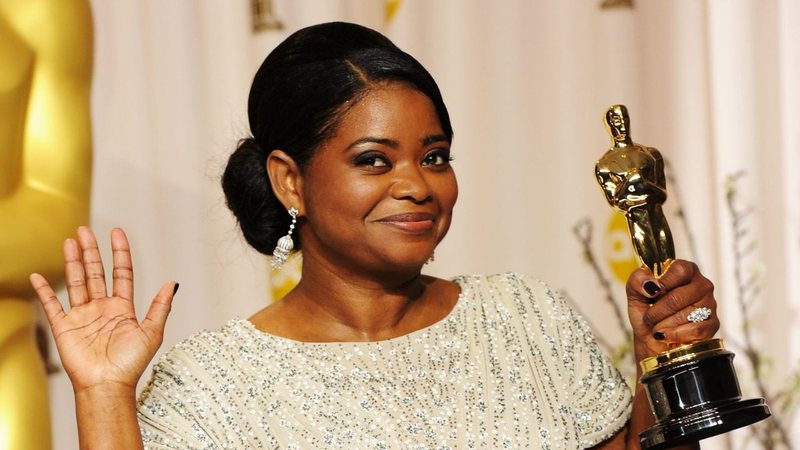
<point x="512" y="366"/>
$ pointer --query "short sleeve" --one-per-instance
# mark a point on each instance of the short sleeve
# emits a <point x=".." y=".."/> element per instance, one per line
<point x="166" y="411"/>
<point x="601" y="399"/>
<point x="598" y="397"/>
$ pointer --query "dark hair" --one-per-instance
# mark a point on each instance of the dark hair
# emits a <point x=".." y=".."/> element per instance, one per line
<point x="296" y="101"/>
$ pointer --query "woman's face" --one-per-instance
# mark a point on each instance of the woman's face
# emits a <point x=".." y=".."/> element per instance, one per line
<point x="379" y="194"/>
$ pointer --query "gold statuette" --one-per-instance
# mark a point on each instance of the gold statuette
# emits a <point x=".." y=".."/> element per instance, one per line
<point x="45" y="173"/>
<point x="692" y="389"/>
<point x="632" y="178"/>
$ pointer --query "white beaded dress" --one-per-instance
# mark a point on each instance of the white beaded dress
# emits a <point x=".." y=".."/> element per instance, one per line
<point x="511" y="366"/>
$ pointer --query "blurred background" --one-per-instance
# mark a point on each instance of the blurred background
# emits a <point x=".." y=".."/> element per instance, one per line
<point x="714" y="85"/>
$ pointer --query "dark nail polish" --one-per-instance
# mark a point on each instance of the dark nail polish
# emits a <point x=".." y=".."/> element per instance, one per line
<point x="175" y="290"/>
<point x="651" y="287"/>
<point x="659" y="336"/>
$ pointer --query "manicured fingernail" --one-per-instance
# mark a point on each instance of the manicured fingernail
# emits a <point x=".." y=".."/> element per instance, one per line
<point x="651" y="287"/>
<point x="175" y="290"/>
<point x="659" y="336"/>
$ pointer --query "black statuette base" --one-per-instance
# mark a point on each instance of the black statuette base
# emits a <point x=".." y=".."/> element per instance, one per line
<point x="696" y="399"/>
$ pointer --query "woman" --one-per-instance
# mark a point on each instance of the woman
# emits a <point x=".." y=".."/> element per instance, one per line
<point x="350" y="159"/>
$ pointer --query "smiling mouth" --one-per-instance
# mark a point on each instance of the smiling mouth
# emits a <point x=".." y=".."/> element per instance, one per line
<point x="412" y="222"/>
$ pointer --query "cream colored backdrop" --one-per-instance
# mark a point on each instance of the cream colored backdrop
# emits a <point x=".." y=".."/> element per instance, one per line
<point x="715" y="85"/>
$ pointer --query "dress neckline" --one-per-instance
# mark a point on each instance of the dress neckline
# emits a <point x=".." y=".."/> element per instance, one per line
<point x="461" y="281"/>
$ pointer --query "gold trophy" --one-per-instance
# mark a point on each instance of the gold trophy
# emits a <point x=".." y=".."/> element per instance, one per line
<point x="45" y="174"/>
<point x="692" y="389"/>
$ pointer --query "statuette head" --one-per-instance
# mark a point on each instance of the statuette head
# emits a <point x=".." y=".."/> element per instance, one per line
<point x="618" y="125"/>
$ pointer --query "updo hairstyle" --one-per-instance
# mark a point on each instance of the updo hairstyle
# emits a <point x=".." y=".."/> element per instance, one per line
<point x="298" y="97"/>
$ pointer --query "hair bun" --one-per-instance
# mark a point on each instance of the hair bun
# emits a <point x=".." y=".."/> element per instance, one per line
<point x="249" y="196"/>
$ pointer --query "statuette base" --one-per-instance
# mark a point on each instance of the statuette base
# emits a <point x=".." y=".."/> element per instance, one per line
<point x="696" y="398"/>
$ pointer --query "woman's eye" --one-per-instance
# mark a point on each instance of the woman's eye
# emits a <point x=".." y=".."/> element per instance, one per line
<point x="371" y="160"/>
<point x="437" y="158"/>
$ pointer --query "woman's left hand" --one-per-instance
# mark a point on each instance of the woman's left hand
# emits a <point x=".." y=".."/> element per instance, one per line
<point x="659" y="308"/>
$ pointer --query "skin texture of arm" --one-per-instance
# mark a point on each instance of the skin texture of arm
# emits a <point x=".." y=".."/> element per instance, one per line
<point x="107" y="419"/>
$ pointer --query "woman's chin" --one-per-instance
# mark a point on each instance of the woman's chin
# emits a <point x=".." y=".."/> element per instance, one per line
<point x="407" y="262"/>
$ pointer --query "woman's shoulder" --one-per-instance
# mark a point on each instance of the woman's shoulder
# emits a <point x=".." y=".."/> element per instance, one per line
<point x="507" y="284"/>
<point x="214" y="359"/>
<point x="513" y="293"/>
<point x="212" y="348"/>
<point x="208" y="372"/>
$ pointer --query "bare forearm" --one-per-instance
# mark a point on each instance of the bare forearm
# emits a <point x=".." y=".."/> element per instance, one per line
<point x="641" y="417"/>
<point x="107" y="419"/>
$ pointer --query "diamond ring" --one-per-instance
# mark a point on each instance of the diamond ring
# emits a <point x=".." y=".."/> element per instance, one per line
<point x="699" y="314"/>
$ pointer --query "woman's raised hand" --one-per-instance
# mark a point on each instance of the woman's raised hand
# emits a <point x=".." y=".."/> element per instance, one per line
<point x="659" y="309"/>
<point x="100" y="341"/>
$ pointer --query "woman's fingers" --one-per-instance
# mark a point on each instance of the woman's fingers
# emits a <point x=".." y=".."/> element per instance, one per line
<point x="643" y="286"/>
<point x="50" y="303"/>
<point x="156" y="318"/>
<point x="92" y="264"/>
<point x="642" y="290"/>
<point x="675" y="305"/>
<point x="74" y="273"/>
<point x="689" y="331"/>
<point x="123" y="265"/>
<point x="659" y="308"/>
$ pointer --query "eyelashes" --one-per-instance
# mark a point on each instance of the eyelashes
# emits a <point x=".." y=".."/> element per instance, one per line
<point x="371" y="159"/>
<point x="439" y="157"/>
<point x="378" y="160"/>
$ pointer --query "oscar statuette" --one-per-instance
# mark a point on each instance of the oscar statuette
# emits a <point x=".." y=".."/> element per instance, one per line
<point x="692" y="389"/>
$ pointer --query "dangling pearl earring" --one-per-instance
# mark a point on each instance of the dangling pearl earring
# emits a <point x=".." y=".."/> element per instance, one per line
<point x="285" y="243"/>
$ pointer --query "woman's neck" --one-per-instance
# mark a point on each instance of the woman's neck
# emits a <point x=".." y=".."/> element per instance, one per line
<point x="362" y="306"/>
<point x="342" y="306"/>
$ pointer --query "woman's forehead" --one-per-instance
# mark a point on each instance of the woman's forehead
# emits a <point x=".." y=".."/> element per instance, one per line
<point x="390" y="107"/>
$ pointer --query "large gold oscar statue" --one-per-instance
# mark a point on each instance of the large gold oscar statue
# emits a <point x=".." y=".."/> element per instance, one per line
<point x="45" y="170"/>
<point x="692" y="389"/>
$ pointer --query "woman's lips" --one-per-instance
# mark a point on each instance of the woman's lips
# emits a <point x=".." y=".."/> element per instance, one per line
<point x="410" y="222"/>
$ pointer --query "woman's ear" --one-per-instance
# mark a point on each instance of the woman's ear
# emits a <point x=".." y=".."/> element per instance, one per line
<point x="285" y="178"/>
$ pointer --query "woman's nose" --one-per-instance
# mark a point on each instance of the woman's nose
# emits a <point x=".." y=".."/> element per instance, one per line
<point x="410" y="183"/>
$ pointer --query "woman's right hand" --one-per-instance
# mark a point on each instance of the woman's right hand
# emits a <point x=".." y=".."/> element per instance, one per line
<point x="100" y="341"/>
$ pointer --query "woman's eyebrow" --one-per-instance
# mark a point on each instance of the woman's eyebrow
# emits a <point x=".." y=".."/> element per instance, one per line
<point x="434" y="138"/>
<point x="427" y="140"/>
<point x="375" y="140"/>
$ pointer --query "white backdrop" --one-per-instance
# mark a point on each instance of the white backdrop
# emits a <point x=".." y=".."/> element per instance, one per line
<point x="715" y="85"/>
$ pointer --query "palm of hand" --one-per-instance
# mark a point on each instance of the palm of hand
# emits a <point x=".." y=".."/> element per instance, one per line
<point x="102" y="341"/>
<point x="99" y="339"/>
